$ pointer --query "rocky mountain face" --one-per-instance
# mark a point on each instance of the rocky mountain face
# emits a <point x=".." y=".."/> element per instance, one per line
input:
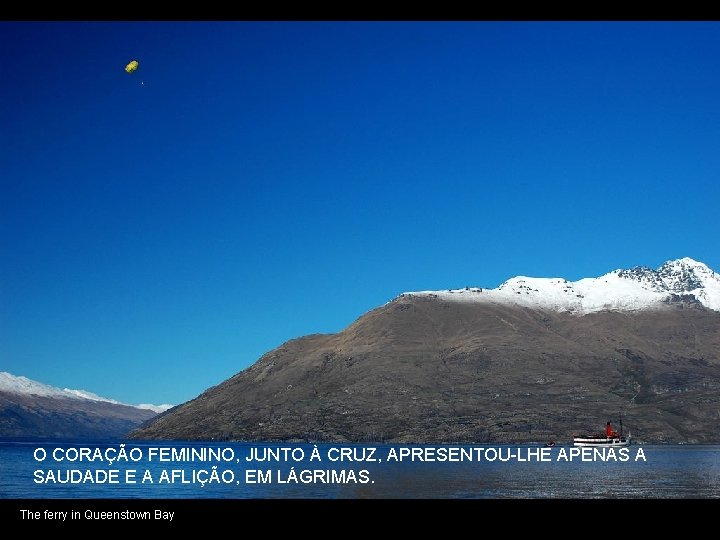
<point x="29" y="409"/>
<point x="504" y="365"/>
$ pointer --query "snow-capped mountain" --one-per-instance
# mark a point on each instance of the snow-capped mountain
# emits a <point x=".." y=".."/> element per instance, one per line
<point x="681" y="280"/>
<point x="22" y="385"/>
<point x="492" y="366"/>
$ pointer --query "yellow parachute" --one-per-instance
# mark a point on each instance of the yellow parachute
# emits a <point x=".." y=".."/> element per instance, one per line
<point x="132" y="66"/>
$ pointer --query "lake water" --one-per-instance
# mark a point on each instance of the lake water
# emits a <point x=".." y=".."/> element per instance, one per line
<point x="190" y="470"/>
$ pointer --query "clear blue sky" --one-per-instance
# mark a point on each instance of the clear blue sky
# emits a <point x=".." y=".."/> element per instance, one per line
<point x="275" y="179"/>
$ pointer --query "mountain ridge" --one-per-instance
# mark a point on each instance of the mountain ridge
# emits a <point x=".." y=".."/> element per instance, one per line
<point x="636" y="288"/>
<point x="19" y="384"/>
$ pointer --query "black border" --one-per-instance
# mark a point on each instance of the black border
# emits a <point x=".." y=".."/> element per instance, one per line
<point x="375" y="516"/>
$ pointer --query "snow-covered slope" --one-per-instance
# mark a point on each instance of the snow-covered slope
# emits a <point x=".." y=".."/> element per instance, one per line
<point x="23" y="385"/>
<point x="620" y="290"/>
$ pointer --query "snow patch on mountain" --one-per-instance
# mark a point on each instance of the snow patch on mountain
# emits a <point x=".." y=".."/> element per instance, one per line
<point x="23" y="385"/>
<point x="681" y="280"/>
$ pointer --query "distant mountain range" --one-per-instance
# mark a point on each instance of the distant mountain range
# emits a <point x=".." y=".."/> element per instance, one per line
<point x="532" y="360"/>
<point x="30" y="409"/>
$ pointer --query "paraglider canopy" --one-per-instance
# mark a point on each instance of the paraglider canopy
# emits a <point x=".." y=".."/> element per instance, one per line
<point x="132" y="66"/>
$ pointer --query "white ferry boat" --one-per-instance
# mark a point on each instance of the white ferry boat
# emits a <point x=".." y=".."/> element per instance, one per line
<point x="609" y="439"/>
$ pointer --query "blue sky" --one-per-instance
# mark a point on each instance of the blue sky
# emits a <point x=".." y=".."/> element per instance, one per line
<point x="254" y="182"/>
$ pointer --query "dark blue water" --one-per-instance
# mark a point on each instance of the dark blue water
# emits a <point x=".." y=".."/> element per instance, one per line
<point x="189" y="470"/>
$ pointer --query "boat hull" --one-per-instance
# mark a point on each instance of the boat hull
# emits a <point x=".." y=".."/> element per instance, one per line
<point x="601" y="442"/>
